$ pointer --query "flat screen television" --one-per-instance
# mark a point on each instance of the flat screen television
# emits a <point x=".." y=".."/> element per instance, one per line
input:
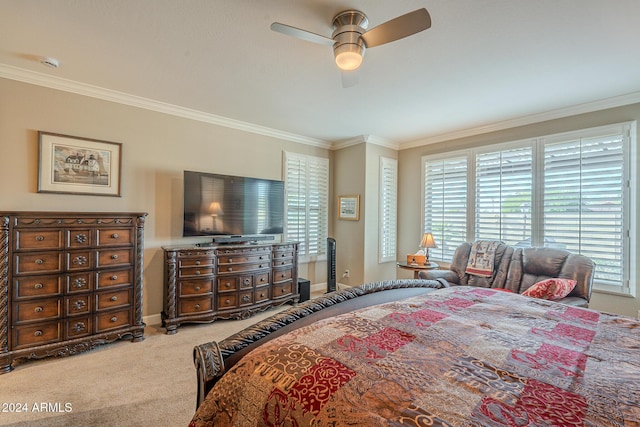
<point x="226" y="205"/>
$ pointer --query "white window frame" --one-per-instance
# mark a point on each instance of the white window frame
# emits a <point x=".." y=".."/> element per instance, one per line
<point x="629" y="182"/>
<point x="314" y="188"/>
<point x="388" y="210"/>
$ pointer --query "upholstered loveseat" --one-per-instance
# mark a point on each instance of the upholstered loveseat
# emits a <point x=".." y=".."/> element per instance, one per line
<point x="517" y="269"/>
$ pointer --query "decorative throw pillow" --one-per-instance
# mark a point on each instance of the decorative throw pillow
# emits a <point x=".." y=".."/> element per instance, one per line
<point x="551" y="289"/>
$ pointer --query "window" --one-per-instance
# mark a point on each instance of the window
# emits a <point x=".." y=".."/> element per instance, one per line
<point x="388" y="209"/>
<point x="570" y="191"/>
<point x="307" y="201"/>
<point x="445" y="203"/>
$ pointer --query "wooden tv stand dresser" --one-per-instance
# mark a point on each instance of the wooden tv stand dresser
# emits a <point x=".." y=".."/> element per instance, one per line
<point x="69" y="281"/>
<point x="227" y="281"/>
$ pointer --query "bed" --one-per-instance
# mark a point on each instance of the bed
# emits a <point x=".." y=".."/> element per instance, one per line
<point x="409" y="354"/>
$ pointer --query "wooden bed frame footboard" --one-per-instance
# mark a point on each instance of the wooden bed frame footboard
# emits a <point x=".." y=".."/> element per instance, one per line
<point x="213" y="359"/>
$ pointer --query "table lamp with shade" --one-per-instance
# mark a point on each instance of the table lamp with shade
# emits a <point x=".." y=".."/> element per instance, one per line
<point x="427" y="242"/>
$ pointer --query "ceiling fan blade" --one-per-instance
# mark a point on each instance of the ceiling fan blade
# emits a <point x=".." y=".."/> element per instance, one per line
<point x="301" y="34"/>
<point x="398" y="28"/>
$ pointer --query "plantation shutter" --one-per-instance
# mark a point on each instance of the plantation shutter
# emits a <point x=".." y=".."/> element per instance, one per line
<point x="584" y="191"/>
<point x="307" y="195"/>
<point x="388" y="209"/>
<point x="445" y="204"/>
<point x="503" y="196"/>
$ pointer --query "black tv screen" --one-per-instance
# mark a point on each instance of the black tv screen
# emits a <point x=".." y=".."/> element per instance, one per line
<point x="217" y="204"/>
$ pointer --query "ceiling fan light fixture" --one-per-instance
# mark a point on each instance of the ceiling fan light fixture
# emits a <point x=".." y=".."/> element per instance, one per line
<point x="349" y="56"/>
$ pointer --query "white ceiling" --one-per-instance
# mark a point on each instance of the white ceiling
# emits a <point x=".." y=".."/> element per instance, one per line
<point x="482" y="64"/>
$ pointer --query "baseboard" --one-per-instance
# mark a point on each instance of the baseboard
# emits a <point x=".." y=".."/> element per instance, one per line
<point x="322" y="287"/>
<point x="154" y="319"/>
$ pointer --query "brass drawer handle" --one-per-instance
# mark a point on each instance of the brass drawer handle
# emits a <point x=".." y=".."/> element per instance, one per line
<point x="39" y="238"/>
<point x="197" y="288"/>
<point x="197" y="272"/>
<point x="39" y="261"/>
<point x="261" y="295"/>
<point x="197" y="262"/>
<point x="38" y="286"/>
<point x="38" y="309"/>
<point x="283" y="290"/>
<point x="114" y="298"/>
<point x="37" y="333"/>
<point x="114" y="277"/>
<point x="229" y="268"/>
<point x="247" y="281"/>
<point x="114" y="256"/>
<point x="283" y="275"/>
<point x="262" y="279"/>
<point x="230" y="260"/>
<point x="114" y="319"/>
<point x="197" y="306"/>
<point x="227" y="301"/>
<point x="228" y="285"/>
<point x="246" y="298"/>
<point x="114" y="236"/>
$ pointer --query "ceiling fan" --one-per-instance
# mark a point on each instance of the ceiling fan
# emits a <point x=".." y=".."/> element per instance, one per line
<point x="350" y="36"/>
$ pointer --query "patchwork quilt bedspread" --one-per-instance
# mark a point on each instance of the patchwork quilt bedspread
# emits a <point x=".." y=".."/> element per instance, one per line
<point x="459" y="356"/>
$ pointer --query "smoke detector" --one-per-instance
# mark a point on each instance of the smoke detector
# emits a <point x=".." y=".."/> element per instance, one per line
<point x="50" y="62"/>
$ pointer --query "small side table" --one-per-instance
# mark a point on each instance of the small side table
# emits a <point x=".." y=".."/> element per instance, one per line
<point x="417" y="267"/>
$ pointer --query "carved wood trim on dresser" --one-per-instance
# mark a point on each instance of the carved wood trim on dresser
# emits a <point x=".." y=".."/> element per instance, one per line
<point x="69" y="281"/>
<point x="203" y="284"/>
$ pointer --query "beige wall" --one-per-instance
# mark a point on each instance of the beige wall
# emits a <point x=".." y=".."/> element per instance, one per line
<point x="349" y="180"/>
<point x="410" y="177"/>
<point x="156" y="148"/>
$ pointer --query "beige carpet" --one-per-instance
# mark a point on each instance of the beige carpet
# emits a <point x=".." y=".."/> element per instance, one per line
<point x="149" y="383"/>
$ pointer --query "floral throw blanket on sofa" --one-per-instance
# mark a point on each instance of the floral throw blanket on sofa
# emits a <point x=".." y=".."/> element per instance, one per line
<point x="460" y="356"/>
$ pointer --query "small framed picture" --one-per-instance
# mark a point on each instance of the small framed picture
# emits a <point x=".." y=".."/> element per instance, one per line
<point x="74" y="165"/>
<point x="349" y="207"/>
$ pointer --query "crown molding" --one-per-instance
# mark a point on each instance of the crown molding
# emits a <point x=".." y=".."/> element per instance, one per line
<point x="589" y="107"/>
<point x="58" y="83"/>
<point x="369" y="139"/>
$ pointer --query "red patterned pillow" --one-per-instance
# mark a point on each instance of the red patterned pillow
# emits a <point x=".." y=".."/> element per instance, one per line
<point x="551" y="289"/>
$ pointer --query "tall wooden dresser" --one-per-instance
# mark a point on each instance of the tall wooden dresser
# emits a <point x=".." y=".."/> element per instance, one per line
<point x="203" y="284"/>
<point x="68" y="282"/>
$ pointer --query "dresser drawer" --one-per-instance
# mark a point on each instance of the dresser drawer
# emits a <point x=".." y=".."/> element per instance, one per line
<point x="38" y="239"/>
<point x="39" y="286"/>
<point x="243" y="258"/>
<point x="238" y="268"/>
<point x="79" y="238"/>
<point x="195" y="287"/>
<point x="196" y="262"/>
<point x="261" y="294"/>
<point x="281" y="275"/>
<point x="111" y="278"/>
<point x="77" y="304"/>
<point x="41" y="262"/>
<point x="79" y="282"/>
<point x="115" y="237"/>
<point x="282" y="290"/>
<point x="77" y="327"/>
<point x="38" y="334"/>
<point x="195" y="305"/>
<point x="38" y="310"/>
<point x="280" y="254"/>
<point x="227" y="301"/>
<point x="195" y="271"/>
<point x="227" y="283"/>
<point x="246" y="298"/>
<point x="114" y="299"/>
<point x="114" y="257"/>
<point x="79" y="260"/>
<point x="112" y="320"/>
<point x="281" y="262"/>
